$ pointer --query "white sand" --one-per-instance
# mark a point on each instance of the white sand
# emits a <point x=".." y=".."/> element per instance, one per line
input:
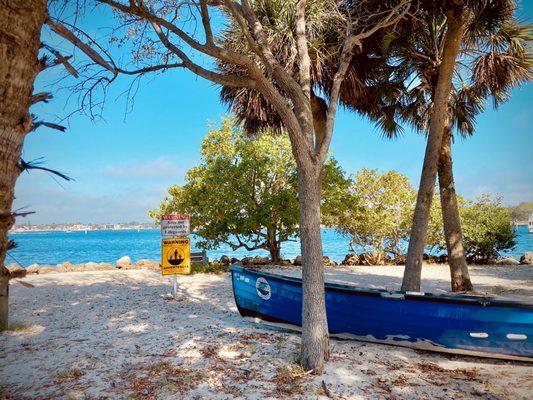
<point x="112" y="334"/>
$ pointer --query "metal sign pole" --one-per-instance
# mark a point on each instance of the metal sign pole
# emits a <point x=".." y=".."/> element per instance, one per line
<point x="174" y="286"/>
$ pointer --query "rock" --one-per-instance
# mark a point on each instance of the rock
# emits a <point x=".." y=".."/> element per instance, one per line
<point x="527" y="258"/>
<point x="105" y="267"/>
<point x="285" y="263"/>
<point x="148" y="264"/>
<point x="123" y="262"/>
<point x="327" y="262"/>
<point x="235" y="260"/>
<point x="351" y="259"/>
<point x="45" y="269"/>
<point x="60" y="268"/>
<point x="68" y="266"/>
<point x="90" y="266"/>
<point x="442" y="259"/>
<point x="33" y="269"/>
<point x="507" y="261"/>
<point x="16" y="271"/>
<point x="297" y="261"/>
<point x="225" y="260"/>
<point x="78" y="267"/>
<point x="255" y="261"/>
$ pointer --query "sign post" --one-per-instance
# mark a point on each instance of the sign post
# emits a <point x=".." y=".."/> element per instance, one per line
<point x="175" y="247"/>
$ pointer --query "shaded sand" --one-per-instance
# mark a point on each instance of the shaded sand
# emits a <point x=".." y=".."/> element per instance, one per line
<point x="113" y="334"/>
<point x="514" y="281"/>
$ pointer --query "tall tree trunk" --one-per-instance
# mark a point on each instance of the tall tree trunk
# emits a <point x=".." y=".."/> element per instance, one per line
<point x="20" y="30"/>
<point x="315" y="335"/>
<point x="439" y="118"/>
<point x="274" y="247"/>
<point x="460" y="278"/>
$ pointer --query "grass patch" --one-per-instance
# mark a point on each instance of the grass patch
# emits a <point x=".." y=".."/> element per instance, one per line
<point x="288" y="379"/>
<point x="209" y="269"/>
<point x="17" y="327"/>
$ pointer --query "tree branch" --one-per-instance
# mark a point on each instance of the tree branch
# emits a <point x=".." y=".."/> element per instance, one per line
<point x="393" y="17"/>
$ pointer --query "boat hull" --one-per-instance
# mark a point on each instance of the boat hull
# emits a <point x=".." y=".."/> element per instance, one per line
<point x="448" y="323"/>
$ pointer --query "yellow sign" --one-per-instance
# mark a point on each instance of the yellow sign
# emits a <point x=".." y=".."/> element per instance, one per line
<point x="176" y="256"/>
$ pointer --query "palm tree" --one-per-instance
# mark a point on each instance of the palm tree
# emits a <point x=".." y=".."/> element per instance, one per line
<point x="494" y="57"/>
<point x="20" y="30"/>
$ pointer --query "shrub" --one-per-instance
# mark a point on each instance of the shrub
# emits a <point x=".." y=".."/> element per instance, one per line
<point x="487" y="229"/>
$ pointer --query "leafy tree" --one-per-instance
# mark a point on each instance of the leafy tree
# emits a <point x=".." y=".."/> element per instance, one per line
<point x="487" y="227"/>
<point x="376" y="211"/>
<point x="244" y="192"/>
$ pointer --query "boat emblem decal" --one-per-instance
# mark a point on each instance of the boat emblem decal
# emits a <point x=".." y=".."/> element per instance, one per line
<point x="263" y="288"/>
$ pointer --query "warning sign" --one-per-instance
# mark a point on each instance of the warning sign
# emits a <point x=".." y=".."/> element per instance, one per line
<point x="176" y="256"/>
<point x="175" y="225"/>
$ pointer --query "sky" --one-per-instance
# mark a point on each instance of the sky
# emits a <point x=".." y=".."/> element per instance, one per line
<point x="123" y="163"/>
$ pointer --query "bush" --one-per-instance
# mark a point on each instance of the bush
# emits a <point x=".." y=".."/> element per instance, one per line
<point x="487" y="229"/>
<point x="211" y="268"/>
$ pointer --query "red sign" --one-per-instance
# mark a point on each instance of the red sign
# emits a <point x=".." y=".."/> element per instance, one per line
<point x="175" y="217"/>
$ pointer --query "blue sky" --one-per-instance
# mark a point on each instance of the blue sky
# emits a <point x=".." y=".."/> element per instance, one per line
<point x="123" y="164"/>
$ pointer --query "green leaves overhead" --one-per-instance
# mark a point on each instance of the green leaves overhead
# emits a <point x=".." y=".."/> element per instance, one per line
<point x="244" y="192"/>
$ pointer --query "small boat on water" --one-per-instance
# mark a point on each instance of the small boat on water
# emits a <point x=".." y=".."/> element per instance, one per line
<point x="462" y="324"/>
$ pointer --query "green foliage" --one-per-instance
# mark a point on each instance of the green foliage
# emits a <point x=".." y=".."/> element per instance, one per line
<point x="209" y="268"/>
<point x="376" y="211"/>
<point x="520" y="212"/>
<point x="244" y="192"/>
<point x="487" y="228"/>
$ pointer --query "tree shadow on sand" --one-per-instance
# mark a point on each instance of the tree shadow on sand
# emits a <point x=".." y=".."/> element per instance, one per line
<point x="121" y="337"/>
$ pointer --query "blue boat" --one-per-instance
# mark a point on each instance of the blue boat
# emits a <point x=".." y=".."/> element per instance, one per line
<point x="462" y="324"/>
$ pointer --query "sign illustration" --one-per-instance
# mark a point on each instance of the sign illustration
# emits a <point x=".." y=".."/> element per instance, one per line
<point x="176" y="256"/>
<point x="175" y="225"/>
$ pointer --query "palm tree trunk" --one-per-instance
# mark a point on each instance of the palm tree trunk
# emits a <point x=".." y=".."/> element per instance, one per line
<point x="20" y="30"/>
<point x="439" y="118"/>
<point x="460" y="278"/>
<point x="315" y="337"/>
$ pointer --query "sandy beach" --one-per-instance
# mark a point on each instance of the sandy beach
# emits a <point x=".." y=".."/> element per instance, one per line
<point x="116" y="335"/>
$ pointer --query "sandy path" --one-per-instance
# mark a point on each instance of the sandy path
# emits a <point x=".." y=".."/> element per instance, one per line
<point x="112" y="334"/>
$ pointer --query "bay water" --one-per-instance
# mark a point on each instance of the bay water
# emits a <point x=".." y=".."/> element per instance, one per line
<point x="107" y="246"/>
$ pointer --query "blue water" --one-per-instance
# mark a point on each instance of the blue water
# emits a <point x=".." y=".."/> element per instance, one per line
<point x="108" y="246"/>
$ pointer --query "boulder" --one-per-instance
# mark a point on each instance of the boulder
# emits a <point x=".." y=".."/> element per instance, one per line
<point x="351" y="259"/>
<point x="255" y="261"/>
<point x="105" y="267"/>
<point x="60" y="268"/>
<point x="123" y="262"/>
<point x="68" y="266"/>
<point x="327" y="262"/>
<point x="79" y="267"/>
<point x="442" y="259"/>
<point x="507" y="261"/>
<point x="235" y="260"/>
<point x="297" y="261"/>
<point x="90" y="266"/>
<point x="33" y="269"/>
<point x="148" y="264"/>
<point x="225" y="260"/>
<point x="527" y="258"/>
<point x="46" y="269"/>
<point x="16" y="271"/>
<point x="285" y="263"/>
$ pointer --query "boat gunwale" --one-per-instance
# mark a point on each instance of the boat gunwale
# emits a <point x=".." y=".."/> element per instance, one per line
<point x="388" y="294"/>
